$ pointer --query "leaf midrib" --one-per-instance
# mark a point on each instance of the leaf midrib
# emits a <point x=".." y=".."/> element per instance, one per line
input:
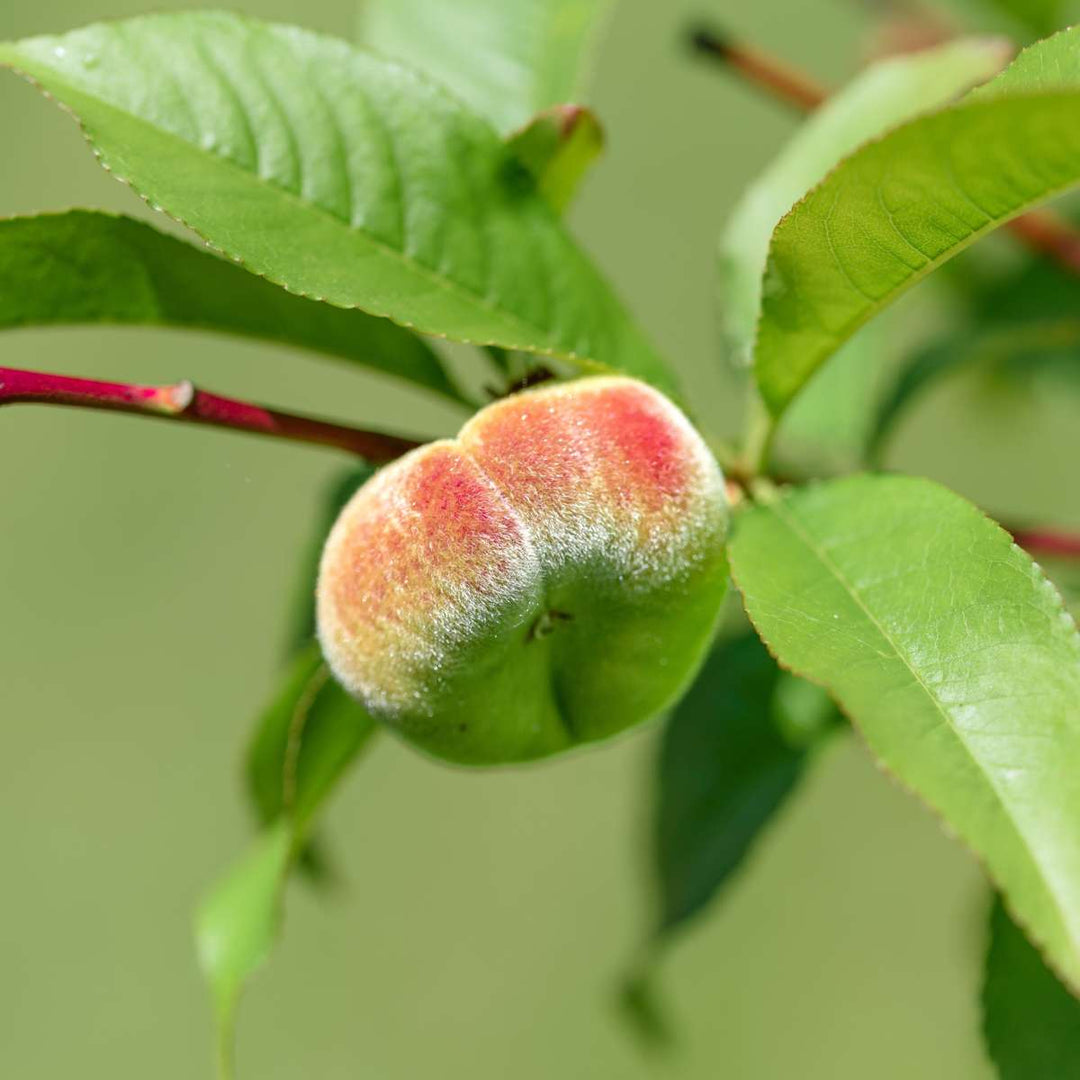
<point x="791" y="522"/>
<point x="432" y="276"/>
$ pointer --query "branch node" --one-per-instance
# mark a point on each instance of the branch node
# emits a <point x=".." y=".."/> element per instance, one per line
<point x="182" y="395"/>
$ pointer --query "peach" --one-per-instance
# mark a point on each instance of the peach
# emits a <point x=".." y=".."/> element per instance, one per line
<point x="550" y="577"/>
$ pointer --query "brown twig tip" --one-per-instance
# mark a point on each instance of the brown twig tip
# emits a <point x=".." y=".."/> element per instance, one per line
<point x="705" y="39"/>
<point x="183" y="402"/>
<point x="760" y="69"/>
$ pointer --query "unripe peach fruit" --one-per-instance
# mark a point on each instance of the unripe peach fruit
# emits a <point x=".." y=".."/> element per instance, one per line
<point x="549" y="577"/>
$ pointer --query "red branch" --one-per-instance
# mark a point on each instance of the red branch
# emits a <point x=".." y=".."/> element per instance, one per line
<point x="1047" y="543"/>
<point x="1049" y="235"/>
<point x="1040" y="230"/>
<point x="183" y="402"/>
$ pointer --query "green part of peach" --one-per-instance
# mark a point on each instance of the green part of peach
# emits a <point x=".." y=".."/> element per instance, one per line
<point x="551" y="577"/>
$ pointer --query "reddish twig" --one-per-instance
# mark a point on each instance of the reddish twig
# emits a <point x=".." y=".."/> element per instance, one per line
<point x="183" y="402"/>
<point x="1050" y="235"/>
<point x="1042" y="231"/>
<point x="1048" y="543"/>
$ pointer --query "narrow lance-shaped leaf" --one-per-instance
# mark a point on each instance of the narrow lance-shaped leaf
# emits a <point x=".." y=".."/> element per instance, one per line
<point x="508" y="59"/>
<point x="306" y="738"/>
<point x="945" y="644"/>
<point x="733" y="751"/>
<point x="237" y="925"/>
<point x="898" y="208"/>
<point x="339" y="176"/>
<point x="1031" y="1023"/>
<point x="88" y="267"/>
<point x="310" y="734"/>
<point x="267" y="750"/>
<point x="885" y="94"/>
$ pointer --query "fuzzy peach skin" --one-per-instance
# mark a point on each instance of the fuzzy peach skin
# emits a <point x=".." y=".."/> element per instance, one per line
<point x="550" y="577"/>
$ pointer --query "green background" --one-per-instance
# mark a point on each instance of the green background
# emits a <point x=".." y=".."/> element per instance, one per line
<point x="145" y="573"/>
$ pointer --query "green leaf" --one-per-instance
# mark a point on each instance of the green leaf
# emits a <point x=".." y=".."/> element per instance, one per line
<point x="266" y="752"/>
<point x="1031" y="1023"/>
<point x="338" y="176"/>
<point x="309" y="735"/>
<point x="1038" y="17"/>
<point x="237" y="924"/>
<point x="557" y="146"/>
<point x="947" y="647"/>
<point x="88" y="267"/>
<point x="1017" y="326"/>
<point x="732" y="752"/>
<point x="507" y="59"/>
<point x="641" y="1008"/>
<point x="1028" y="288"/>
<point x="898" y="208"/>
<point x="1024" y="350"/>
<point x="885" y="94"/>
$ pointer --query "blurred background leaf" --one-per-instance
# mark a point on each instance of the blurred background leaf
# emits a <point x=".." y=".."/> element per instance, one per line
<point x="307" y="738"/>
<point x="236" y="928"/>
<point x="507" y="60"/>
<point x="1018" y="356"/>
<point x="1030" y="1021"/>
<point x="732" y="752"/>
<point x="1037" y="17"/>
